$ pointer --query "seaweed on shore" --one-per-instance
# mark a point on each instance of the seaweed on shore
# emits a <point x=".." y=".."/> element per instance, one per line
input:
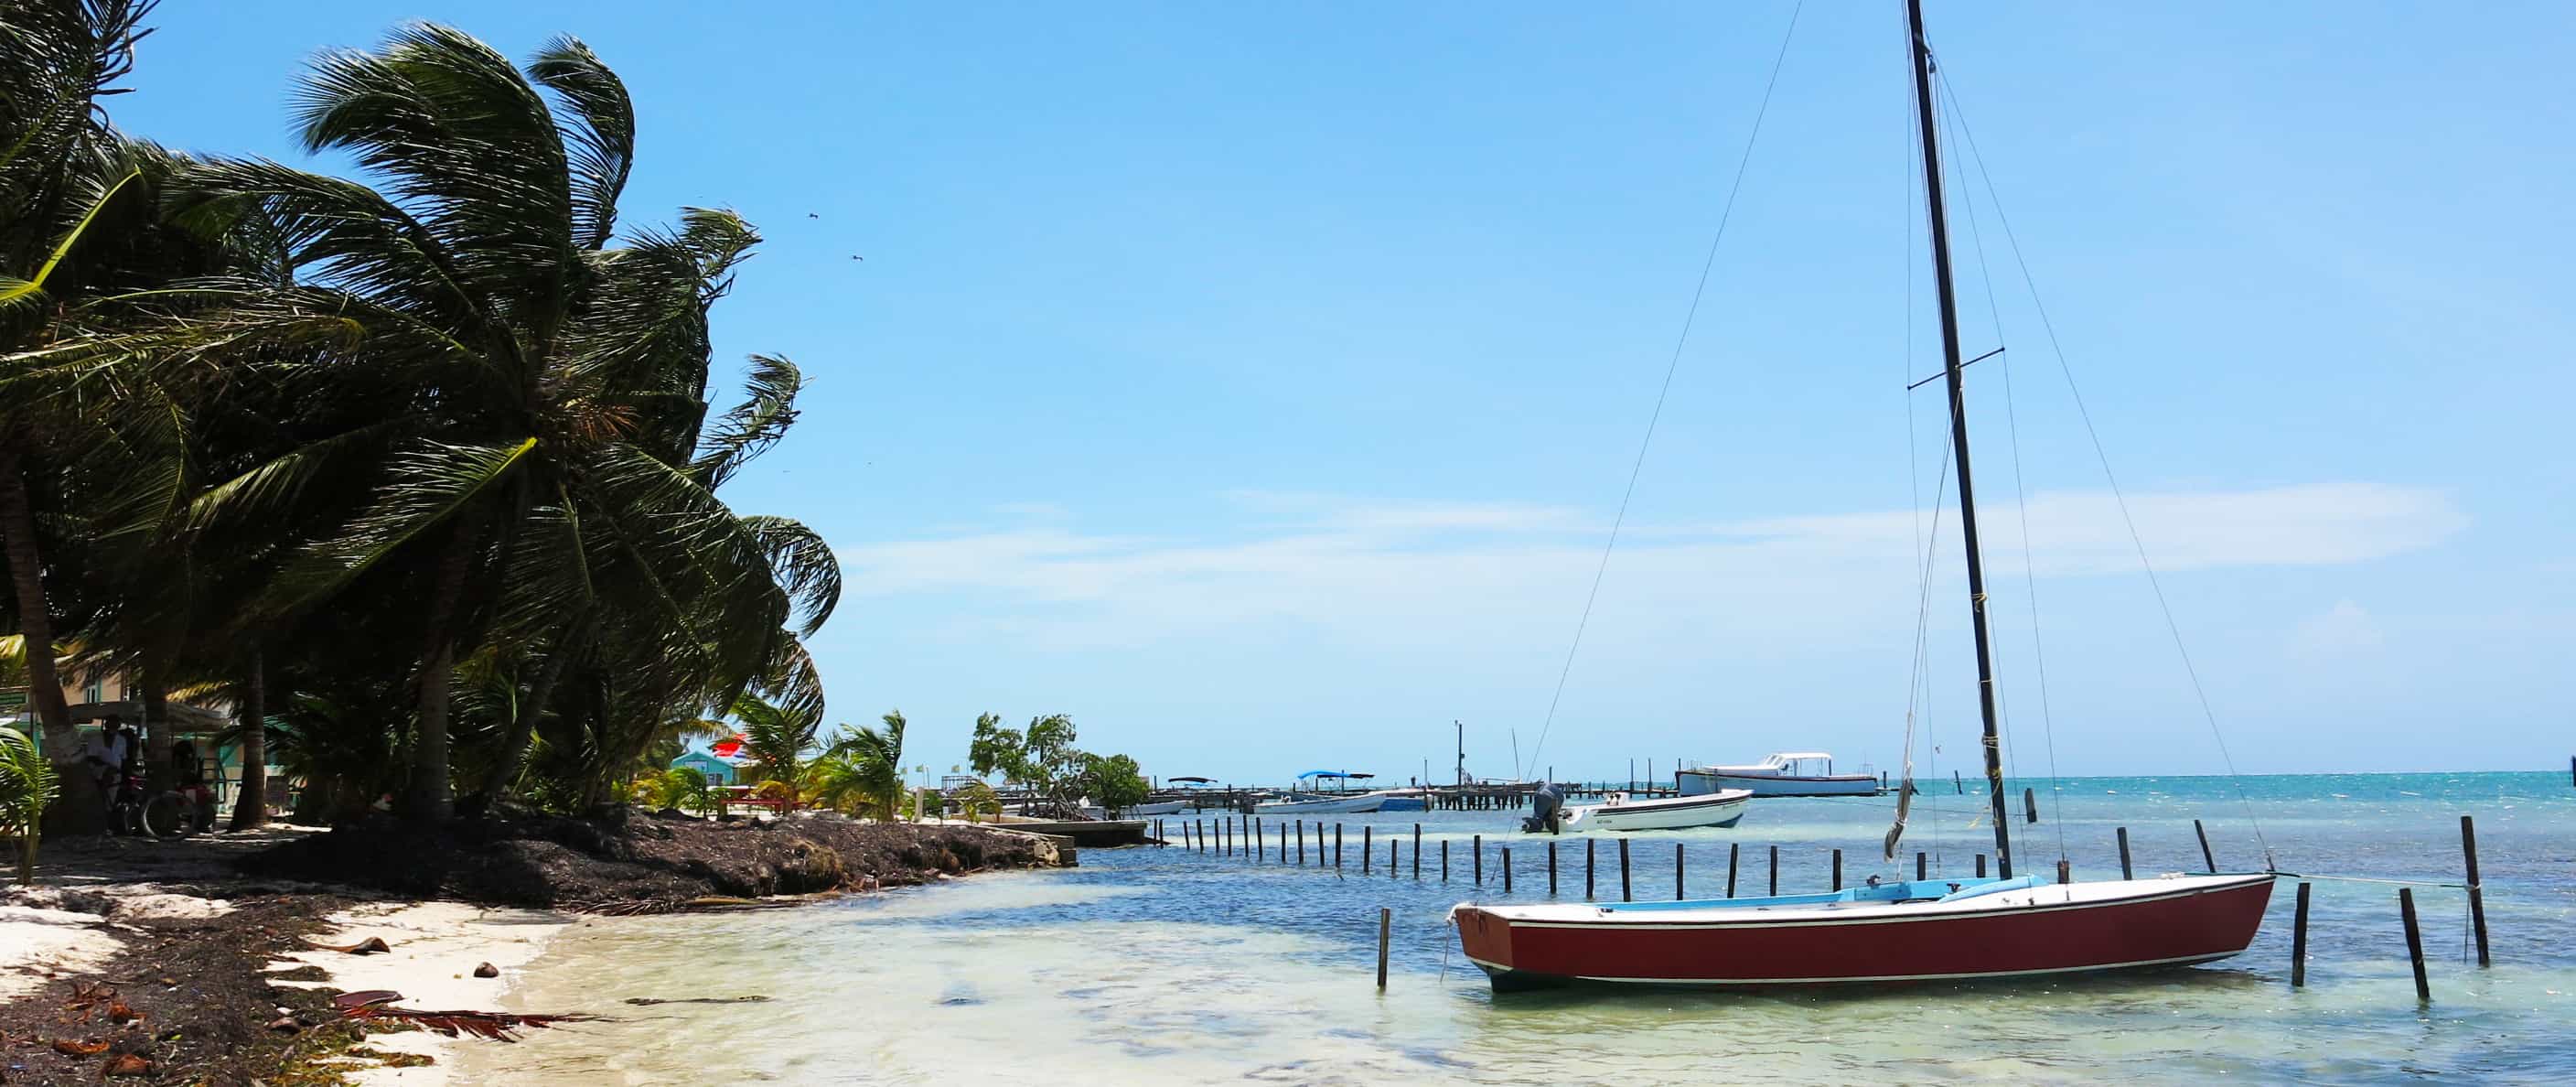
<point x="641" y="864"/>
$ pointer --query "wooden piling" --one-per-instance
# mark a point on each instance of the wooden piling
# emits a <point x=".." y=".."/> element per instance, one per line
<point x="1775" y="871"/>
<point x="1199" y="829"/>
<point x="1551" y="868"/>
<point x="2064" y="874"/>
<point x="2207" y="858"/>
<point x="2125" y="872"/>
<point x="1587" y="868"/>
<point x="1921" y="869"/>
<point x="1392" y="848"/>
<point x="2414" y="943"/>
<point x="1337" y="847"/>
<point x="1624" y="895"/>
<point x="1507" y="869"/>
<point x="1677" y="872"/>
<point x="1733" y="850"/>
<point x="1368" y="848"/>
<point x="1956" y="785"/>
<point x="2030" y="805"/>
<point x="1385" y="923"/>
<point x="1838" y="869"/>
<point x="2477" y="894"/>
<point x="1444" y="860"/>
<point x="2299" y="940"/>
<point x="1417" y="851"/>
<point x="1476" y="866"/>
<point x="1301" y="843"/>
<point x="1981" y="866"/>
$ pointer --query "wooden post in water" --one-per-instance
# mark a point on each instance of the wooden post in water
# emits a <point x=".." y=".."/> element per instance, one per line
<point x="2030" y="805"/>
<point x="1477" y="867"/>
<point x="2125" y="872"/>
<point x="1838" y="869"/>
<point x="1981" y="866"/>
<point x="2064" y="875"/>
<point x="1198" y="829"/>
<point x="1392" y="848"/>
<point x="1624" y="896"/>
<point x="1444" y="860"/>
<point x="1385" y="922"/>
<point x="1956" y="785"/>
<point x="2477" y="895"/>
<point x="1677" y="872"/>
<point x="1775" y="871"/>
<point x="1417" y="851"/>
<point x="1507" y="869"/>
<point x="1733" y="849"/>
<point x="1921" y="871"/>
<point x="1587" y="869"/>
<point x="1551" y="868"/>
<point x="2299" y="940"/>
<point x="1368" y="848"/>
<point x="1301" y="843"/>
<point x="2206" y="857"/>
<point x="2414" y="943"/>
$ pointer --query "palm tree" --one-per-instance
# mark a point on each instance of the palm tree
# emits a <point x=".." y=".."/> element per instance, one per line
<point x="777" y="737"/>
<point x="863" y="770"/>
<point x="27" y="784"/>
<point x="535" y="463"/>
<point x="61" y="173"/>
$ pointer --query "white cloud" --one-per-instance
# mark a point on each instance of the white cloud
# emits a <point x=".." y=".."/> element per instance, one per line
<point x="2341" y="631"/>
<point x="1387" y="574"/>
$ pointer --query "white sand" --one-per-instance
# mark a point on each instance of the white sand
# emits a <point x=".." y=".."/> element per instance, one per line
<point x="34" y="941"/>
<point x="436" y="946"/>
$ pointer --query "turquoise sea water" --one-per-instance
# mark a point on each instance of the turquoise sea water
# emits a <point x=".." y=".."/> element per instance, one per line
<point x="1173" y="966"/>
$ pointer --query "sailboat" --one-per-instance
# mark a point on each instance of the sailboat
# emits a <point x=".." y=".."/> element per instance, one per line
<point x="1920" y="930"/>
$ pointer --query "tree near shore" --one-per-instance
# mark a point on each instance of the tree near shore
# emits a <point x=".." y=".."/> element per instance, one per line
<point x="332" y="445"/>
<point x="27" y="785"/>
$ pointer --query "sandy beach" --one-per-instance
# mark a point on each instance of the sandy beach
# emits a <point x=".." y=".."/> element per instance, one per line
<point x="216" y="959"/>
<point x="435" y="949"/>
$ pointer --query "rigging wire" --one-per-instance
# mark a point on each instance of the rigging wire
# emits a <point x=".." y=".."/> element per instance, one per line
<point x="2102" y="455"/>
<point x="1689" y="318"/>
<point x="2021" y="498"/>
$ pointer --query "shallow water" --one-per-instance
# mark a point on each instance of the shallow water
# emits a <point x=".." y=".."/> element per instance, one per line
<point x="1169" y="965"/>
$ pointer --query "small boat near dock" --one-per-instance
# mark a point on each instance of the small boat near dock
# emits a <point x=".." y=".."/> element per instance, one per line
<point x="1620" y="812"/>
<point x="1787" y="773"/>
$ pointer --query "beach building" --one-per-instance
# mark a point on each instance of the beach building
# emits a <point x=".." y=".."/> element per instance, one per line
<point x="718" y="771"/>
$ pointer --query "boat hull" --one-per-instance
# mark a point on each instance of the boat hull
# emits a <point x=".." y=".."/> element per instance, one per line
<point x="1333" y="805"/>
<point x="1682" y="813"/>
<point x="2123" y="925"/>
<point x="1704" y="782"/>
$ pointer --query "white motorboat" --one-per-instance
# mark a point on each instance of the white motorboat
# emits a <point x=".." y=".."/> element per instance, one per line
<point x="1306" y="803"/>
<point x="1622" y="812"/>
<point x="1168" y="807"/>
<point x="1788" y="773"/>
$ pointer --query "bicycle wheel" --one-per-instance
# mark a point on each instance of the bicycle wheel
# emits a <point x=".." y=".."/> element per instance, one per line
<point x="165" y="816"/>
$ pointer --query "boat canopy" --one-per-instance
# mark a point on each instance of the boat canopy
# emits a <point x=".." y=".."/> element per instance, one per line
<point x="1332" y="774"/>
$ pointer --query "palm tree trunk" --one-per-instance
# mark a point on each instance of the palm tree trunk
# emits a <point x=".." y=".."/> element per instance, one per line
<point x="78" y="809"/>
<point x="250" y="803"/>
<point x="523" y="724"/>
<point x="432" y="797"/>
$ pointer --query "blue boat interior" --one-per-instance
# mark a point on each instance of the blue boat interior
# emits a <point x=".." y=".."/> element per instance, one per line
<point x="1920" y="890"/>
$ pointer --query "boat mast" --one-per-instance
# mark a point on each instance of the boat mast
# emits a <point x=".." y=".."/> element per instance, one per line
<point x="1959" y="434"/>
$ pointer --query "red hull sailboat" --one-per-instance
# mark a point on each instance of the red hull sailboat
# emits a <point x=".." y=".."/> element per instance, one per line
<point x="1898" y="932"/>
<point x="1924" y="930"/>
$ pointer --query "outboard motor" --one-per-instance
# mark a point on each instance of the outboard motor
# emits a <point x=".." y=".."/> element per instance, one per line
<point x="1547" y="810"/>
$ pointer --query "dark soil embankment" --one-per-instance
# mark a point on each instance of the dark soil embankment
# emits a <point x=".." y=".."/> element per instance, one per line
<point x="646" y="861"/>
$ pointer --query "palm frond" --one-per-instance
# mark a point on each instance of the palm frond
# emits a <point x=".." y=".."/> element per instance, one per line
<point x="600" y="131"/>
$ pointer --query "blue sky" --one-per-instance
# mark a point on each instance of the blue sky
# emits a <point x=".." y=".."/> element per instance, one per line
<point x="1257" y="386"/>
